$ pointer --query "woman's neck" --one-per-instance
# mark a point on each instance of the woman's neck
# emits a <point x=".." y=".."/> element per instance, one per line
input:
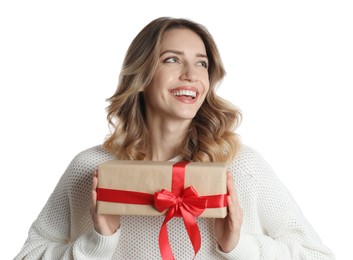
<point x="165" y="140"/>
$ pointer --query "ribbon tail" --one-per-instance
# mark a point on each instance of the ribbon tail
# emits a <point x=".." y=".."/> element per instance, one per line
<point x="192" y="229"/>
<point x="164" y="244"/>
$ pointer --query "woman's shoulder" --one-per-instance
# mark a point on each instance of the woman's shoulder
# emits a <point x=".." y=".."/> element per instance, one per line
<point x="94" y="154"/>
<point x="247" y="154"/>
<point x="249" y="161"/>
<point x="89" y="159"/>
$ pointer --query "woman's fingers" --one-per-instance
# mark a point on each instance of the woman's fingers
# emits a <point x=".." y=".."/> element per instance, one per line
<point x="234" y="210"/>
<point x="231" y="187"/>
<point x="94" y="187"/>
<point x="103" y="224"/>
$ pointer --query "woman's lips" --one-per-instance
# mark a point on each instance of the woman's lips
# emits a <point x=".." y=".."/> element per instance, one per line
<point x="185" y="94"/>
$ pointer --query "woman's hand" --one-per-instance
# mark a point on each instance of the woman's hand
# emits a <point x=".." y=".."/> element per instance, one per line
<point x="104" y="224"/>
<point x="227" y="230"/>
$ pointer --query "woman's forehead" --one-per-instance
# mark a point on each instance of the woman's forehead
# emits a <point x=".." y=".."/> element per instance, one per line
<point x="182" y="39"/>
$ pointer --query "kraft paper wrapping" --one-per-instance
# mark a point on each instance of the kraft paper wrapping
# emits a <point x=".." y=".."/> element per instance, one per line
<point x="151" y="176"/>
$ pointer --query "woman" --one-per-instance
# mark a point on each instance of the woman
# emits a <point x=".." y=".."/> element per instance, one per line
<point x="165" y="108"/>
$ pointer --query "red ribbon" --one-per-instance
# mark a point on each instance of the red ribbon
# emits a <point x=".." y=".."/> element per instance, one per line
<point x="189" y="205"/>
<point x="179" y="202"/>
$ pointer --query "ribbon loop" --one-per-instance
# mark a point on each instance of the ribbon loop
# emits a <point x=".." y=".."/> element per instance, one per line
<point x="164" y="200"/>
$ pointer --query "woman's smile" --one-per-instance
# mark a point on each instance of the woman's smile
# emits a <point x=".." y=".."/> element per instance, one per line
<point x="187" y="95"/>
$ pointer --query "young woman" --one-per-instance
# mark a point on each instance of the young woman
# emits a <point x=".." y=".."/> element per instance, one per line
<point x="165" y="108"/>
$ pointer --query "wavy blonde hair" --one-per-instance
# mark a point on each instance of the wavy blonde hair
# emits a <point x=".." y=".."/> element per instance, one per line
<point x="211" y="136"/>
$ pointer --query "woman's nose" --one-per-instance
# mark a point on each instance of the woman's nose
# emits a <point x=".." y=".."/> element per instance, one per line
<point x="189" y="73"/>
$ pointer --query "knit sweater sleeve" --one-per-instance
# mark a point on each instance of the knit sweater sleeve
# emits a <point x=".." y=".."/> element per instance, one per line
<point x="63" y="229"/>
<point x="274" y="226"/>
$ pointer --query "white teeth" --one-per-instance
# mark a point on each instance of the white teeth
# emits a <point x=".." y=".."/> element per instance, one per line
<point x="184" y="93"/>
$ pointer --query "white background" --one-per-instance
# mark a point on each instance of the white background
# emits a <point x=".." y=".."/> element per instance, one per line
<point x="289" y="68"/>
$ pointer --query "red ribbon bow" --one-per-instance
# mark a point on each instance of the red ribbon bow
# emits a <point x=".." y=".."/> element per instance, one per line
<point x="188" y="205"/>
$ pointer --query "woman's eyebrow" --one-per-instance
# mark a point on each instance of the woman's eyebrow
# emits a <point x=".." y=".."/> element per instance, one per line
<point x="172" y="51"/>
<point x="202" y="55"/>
<point x="182" y="53"/>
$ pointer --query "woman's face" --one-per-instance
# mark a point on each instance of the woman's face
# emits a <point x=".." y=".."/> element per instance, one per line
<point x="181" y="81"/>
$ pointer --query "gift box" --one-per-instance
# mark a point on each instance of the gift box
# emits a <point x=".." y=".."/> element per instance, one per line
<point x="132" y="187"/>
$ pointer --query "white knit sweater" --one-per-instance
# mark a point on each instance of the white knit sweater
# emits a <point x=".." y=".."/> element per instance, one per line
<point x="273" y="225"/>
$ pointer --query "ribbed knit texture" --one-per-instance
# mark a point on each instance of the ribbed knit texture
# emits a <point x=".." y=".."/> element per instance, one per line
<point x="273" y="225"/>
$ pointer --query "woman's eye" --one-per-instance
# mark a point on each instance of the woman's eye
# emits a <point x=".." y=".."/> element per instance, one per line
<point x="171" y="60"/>
<point x="203" y="64"/>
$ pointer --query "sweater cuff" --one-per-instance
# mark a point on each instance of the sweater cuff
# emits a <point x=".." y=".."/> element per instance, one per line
<point x="246" y="249"/>
<point x="92" y="244"/>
